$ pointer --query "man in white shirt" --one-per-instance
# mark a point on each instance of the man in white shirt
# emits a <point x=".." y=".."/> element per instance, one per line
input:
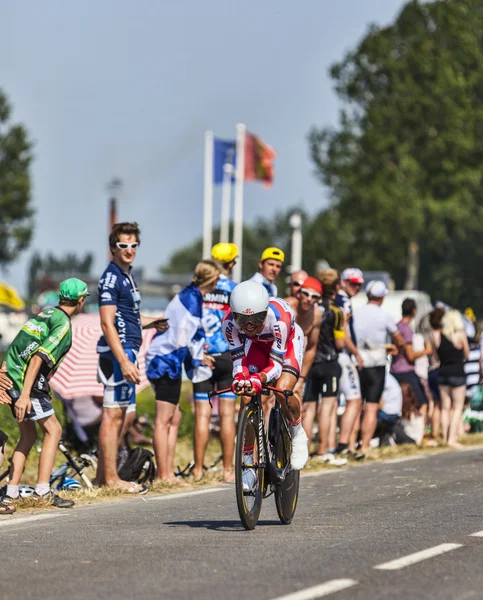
<point x="269" y="267"/>
<point x="372" y="327"/>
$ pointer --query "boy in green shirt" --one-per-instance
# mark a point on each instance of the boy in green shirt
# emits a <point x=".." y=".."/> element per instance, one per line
<point x="31" y="360"/>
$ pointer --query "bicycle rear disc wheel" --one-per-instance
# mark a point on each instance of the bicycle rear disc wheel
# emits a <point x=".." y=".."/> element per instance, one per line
<point x="249" y="503"/>
<point x="287" y="492"/>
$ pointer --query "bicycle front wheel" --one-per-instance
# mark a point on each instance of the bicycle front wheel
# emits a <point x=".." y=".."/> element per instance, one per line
<point x="247" y="468"/>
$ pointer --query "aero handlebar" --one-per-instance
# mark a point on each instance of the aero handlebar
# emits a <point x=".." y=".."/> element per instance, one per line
<point x="268" y="388"/>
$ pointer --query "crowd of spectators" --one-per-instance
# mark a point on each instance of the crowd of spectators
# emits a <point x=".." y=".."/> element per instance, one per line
<point x="365" y="379"/>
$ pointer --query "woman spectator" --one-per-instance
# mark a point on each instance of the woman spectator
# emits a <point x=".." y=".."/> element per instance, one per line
<point x="452" y="347"/>
<point x="435" y="318"/>
<point x="181" y="344"/>
<point x="412" y="420"/>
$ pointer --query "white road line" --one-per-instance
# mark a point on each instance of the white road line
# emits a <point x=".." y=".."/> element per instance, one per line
<point x="477" y="534"/>
<point x="188" y="494"/>
<point x="318" y="591"/>
<point x="22" y="520"/>
<point x="411" y="559"/>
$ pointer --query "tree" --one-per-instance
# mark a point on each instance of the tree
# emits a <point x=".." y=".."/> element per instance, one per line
<point x="264" y="233"/>
<point x="404" y="166"/>
<point x="16" y="214"/>
<point x="46" y="273"/>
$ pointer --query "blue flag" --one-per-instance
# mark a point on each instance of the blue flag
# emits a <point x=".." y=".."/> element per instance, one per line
<point x="224" y="151"/>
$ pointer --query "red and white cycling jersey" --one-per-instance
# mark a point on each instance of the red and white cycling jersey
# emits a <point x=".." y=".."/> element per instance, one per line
<point x="279" y="347"/>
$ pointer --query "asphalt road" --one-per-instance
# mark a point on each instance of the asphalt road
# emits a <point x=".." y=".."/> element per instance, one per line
<point x="350" y="527"/>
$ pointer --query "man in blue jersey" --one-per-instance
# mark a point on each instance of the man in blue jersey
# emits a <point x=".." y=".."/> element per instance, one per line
<point x="118" y="347"/>
<point x="269" y="267"/>
<point x="215" y="305"/>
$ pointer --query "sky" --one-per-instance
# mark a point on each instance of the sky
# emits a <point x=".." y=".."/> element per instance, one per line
<point x="116" y="88"/>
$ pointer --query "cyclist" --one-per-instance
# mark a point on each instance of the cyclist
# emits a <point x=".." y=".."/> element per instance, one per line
<point x="351" y="282"/>
<point x="266" y="345"/>
<point x="269" y="267"/>
<point x="215" y="305"/>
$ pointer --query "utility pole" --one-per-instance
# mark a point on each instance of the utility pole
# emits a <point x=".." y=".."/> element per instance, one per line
<point x="114" y="188"/>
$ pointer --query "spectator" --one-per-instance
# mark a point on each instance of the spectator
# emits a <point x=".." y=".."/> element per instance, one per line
<point x="321" y="399"/>
<point x="372" y="326"/>
<point x="269" y="267"/>
<point x="182" y="344"/>
<point x="5" y="509"/>
<point x="215" y="304"/>
<point x="118" y="348"/>
<point x="389" y="411"/>
<point x="296" y="281"/>
<point x="412" y="420"/>
<point x="349" y="360"/>
<point x="472" y="365"/>
<point x="451" y="344"/>
<point x="434" y="324"/>
<point x="31" y="360"/>
<point x="403" y="363"/>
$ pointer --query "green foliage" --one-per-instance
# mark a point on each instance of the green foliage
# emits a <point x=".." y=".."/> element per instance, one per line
<point x="405" y="163"/>
<point x="264" y="233"/>
<point x="16" y="214"/>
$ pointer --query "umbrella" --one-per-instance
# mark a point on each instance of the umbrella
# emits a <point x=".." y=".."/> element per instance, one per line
<point x="77" y="375"/>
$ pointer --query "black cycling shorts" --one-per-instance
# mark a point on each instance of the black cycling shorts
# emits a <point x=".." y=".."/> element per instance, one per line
<point x="167" y="389"/>
<point x="323" y="381"/>
<point x="372" y="383"/>
<point x="221" y="378"/>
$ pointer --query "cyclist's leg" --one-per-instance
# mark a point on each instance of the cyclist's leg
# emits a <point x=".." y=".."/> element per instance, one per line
<point x="201" y="430"/>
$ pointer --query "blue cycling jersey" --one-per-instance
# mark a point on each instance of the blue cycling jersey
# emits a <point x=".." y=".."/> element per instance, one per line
<point x="118" y="288"/>
<point x="343" y="301"/>
<point x="215" y="306"/>
<point x="270" y="287"/>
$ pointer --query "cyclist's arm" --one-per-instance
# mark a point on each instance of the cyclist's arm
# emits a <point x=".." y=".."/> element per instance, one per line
<point x="236" y="345"/>
<point x="277" y="352"/>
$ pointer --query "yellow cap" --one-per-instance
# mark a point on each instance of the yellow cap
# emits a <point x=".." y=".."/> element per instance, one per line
<point x="274" y="253"/>
<point x="469" y="314"/>
<point x="224" y="252"/>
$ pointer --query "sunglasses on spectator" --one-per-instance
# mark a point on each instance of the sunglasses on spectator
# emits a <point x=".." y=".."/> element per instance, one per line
<point x="356" y="283"/>
<point x="308" y="294"/>
<point x="296" y="283"/>
<point x="126" y="245"/>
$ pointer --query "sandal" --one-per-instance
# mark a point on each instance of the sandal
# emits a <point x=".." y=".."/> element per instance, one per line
<point x="6" y="509"/>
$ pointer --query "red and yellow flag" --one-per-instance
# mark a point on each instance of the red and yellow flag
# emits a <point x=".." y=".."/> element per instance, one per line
<point x="259" y="158"/>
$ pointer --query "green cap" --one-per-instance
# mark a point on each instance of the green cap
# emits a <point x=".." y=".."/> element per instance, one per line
<point x="73" y="289"/>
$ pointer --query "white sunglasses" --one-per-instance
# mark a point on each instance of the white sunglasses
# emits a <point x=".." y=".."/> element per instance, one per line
<point x="126" y="245"/>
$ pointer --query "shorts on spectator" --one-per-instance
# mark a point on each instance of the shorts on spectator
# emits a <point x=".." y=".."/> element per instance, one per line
<point x="433" y="384"/>
<point x="324" y="381"/>
<point x="41" y="405"/>
<point x="414" y="381"/>
<point x="372" y="383"/>
<point x="167" y="389"/>
<point x="349" y="380"/>
<point x="451" y="380"/>
<point x="118" y="393"/>
<point x="220" y="379"/>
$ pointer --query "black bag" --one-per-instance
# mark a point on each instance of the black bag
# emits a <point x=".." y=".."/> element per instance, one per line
<point x="138" y="466"/>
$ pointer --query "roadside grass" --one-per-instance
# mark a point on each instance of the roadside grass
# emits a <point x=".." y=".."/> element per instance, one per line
<point x="184" y="454"/>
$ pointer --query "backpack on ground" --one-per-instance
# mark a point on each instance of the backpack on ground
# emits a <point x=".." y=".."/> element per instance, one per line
<point x="138" y="466"/>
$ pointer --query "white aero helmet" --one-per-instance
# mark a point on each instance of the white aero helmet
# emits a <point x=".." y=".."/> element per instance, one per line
<point x="249" y="303"/>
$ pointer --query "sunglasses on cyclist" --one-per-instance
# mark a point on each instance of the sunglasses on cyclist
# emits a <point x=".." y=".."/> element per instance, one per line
<point x="256" y="319"/>
<point x="308" y="294"/>
<point x="126" y="245"/>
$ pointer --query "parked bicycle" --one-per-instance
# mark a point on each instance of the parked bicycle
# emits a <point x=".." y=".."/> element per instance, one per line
<point x="270" y="460"/>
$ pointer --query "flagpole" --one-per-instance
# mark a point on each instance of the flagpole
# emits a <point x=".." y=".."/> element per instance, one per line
<point x="225" y="202"/>
<point x="208" y="196"/>
<point x="238" y="210"/>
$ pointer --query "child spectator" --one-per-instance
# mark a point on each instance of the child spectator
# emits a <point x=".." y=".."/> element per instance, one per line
<point x="412" y="420"/>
